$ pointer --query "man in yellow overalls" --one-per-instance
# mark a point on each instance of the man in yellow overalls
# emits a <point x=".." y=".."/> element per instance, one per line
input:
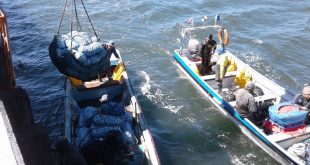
<point x="220" y="68"/>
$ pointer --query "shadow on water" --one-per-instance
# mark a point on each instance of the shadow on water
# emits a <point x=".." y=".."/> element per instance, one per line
<point x="33" y="68"/>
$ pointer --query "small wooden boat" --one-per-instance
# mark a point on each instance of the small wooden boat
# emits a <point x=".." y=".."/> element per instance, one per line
<point x="103" y="118"/>
<point x="276" y="144"/>
<point x="100" y="92"/>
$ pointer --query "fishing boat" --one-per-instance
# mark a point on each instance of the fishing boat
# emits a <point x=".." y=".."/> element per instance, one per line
<point x="103" y="119"/>
<point x="100" y="92"/>
<point x="276" y="144"/>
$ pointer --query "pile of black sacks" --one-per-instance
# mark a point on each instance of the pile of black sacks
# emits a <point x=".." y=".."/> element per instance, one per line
<point x="78" y="55"/>
<point x="105" y="132"/>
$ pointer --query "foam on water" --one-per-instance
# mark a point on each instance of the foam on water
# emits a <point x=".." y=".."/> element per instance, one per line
<point x="258" y="41"/>
<point x="145" y="88"/>
<point x="152" y="91"/>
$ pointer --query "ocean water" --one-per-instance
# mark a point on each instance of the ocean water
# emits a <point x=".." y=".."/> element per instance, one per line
<point x="271" y="36"/>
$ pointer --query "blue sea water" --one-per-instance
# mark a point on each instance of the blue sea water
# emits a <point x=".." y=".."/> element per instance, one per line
<point x="271" y="36"/>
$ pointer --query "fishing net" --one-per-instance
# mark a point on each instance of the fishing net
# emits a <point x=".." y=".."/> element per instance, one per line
<point x="128" y="132"/>
<point x="100" y="133"/>
<point x="86" y="116"/>
<point x="257" y="91"/>
<point x="107" y="120"/>
<point x="228" y="96"/>
<point x="112" y="108"/>
<point x="97" y="125"/>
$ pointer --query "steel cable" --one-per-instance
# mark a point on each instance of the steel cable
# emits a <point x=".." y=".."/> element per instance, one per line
<point x="89" y="19"/>
<point x="62" y="16"/>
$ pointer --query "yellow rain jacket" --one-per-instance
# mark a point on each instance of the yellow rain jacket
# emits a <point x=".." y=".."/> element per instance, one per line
<point x="226" y="64"/>
<point x="232" y="66"/>
<point x="242" y="77"/>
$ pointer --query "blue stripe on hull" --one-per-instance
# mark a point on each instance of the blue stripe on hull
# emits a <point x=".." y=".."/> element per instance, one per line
<point x="226" y="105"/>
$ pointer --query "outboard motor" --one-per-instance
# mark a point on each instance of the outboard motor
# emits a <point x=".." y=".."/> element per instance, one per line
<point x="193" y="46"/>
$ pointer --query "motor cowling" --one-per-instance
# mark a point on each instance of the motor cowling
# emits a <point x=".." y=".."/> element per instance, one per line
<point x="193" y="46"/>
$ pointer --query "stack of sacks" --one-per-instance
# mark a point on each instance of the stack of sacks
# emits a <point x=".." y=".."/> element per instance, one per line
<point x="128" y="130"/>
<point x="94" y="126"/>
<point x="84" y="123"/>
<point x="79" y="56"/>
<point x="104" y="125"/>
<point x="111" y="119"/>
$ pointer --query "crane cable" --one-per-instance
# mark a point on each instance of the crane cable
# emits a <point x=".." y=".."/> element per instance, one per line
<point x="78" y="25"/>
<point x="76" y="15"/>
<point x="89" y="20"/>
<point x="62" y="16"/>
<point x="71" y="23"/>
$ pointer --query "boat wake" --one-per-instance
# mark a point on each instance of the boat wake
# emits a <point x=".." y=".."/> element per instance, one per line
<point x="240" y="160"/>
<point x="147" y="84"/>
<point x="153" y="92"/>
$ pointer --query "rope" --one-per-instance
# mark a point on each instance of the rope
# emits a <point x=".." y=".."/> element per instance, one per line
<point x="71" y="24"/>
<point x="62" y="16"/>
<point x="89" y="20"/>
<point x="78" y="25"/>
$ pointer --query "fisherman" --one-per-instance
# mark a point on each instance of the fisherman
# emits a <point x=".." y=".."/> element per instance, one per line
<point x="245" y="102"/>
<point x="111" y="48"/>
<point x="208" y="48"/>
<point x="304" y="98"/>
<point x="221" y="67"/>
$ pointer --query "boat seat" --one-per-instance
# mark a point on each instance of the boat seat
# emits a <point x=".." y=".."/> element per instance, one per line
<point x="265" y="97"/>
<point x="96" y="92"/>
<point x="97" y="84"/>
<point x="212" y="76"/>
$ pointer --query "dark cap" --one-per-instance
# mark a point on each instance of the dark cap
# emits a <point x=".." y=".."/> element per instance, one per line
<point x="209" y="37"/>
